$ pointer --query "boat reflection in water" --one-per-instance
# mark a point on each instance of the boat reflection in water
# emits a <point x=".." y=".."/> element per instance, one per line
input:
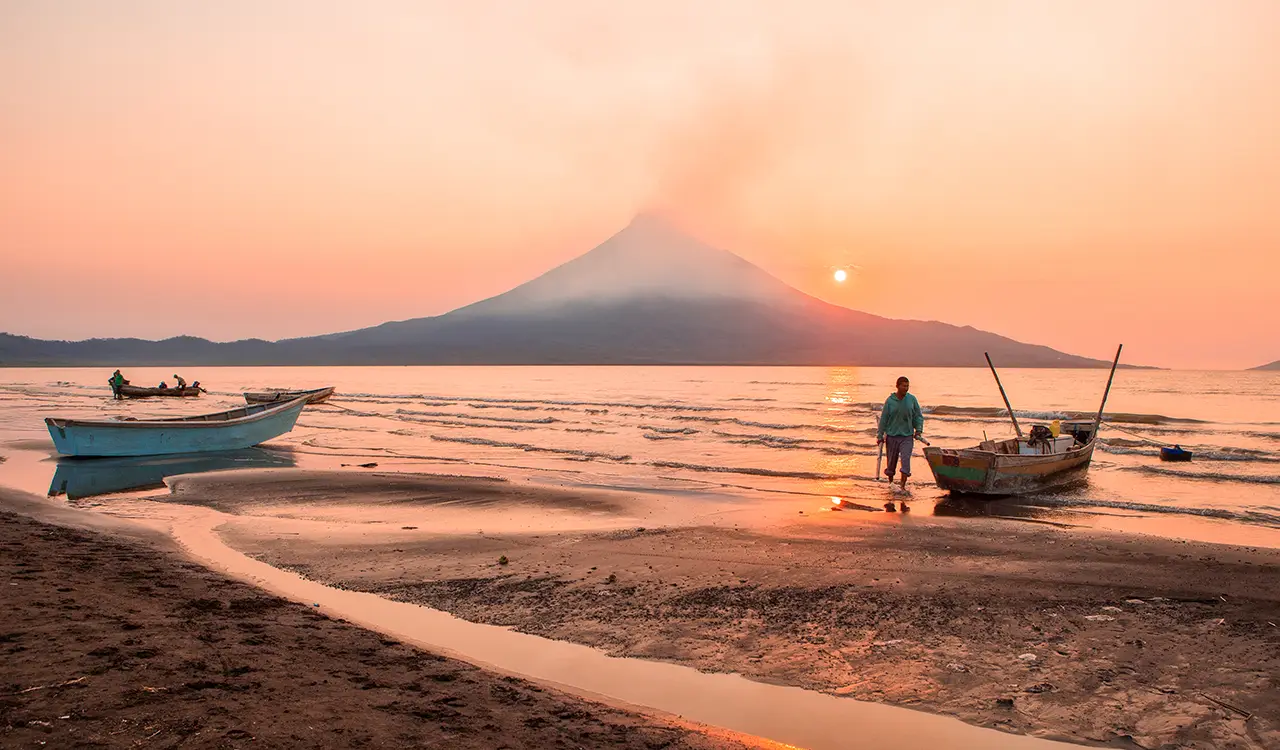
<point x="1055" y="510"/>
<point x="79" y="478"/>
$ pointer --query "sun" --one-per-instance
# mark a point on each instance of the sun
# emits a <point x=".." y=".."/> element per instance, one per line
<point x="841" y="275"/>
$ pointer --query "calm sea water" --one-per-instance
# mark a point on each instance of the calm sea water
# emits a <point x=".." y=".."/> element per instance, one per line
<point x="768" y="433"/>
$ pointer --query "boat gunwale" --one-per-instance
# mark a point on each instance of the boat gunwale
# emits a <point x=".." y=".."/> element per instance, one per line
<point x="1008" y="465"/>
<point x="979" y="453"/>
<point x="264" y="396"/>
<point x="147" y="391"/>
<point x="197" y="421"/>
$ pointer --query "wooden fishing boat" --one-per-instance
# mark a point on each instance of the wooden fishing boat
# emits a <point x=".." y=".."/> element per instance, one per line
<point x="1012" y="467"/>
<point x="222" y="431"/>
<point x="1044" y="460"/>
<point x="133" y="391"/>
<point x="272" y="395"/>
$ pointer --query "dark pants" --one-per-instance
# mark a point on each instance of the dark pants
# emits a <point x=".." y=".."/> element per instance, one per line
<point x="898" y="447"/>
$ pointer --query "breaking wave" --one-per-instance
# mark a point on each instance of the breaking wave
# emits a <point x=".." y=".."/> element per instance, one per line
<point x="1200" y="453"/>
<point x="1247" y="515"/>
<point x="753" y="471"/>
<point x="670" y="430"/>
<point x="459" y="423"/>
<point x="503" y="406"/>
<point x="485" y="417"/>
<point x="658" y="406"/>
<point x="525" y="404"/>
<point x="999" y="412"/>
<point x="581" y="454"/>
<point x="772" y="425"/>
<point x="1213" y="476"/>
<point x="782" y="442"/>
<point x="779" y="382"/>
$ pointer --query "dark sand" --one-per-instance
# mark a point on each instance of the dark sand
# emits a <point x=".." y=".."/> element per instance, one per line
<point x="1131" y="641"/>
<point x="114" y="640"/>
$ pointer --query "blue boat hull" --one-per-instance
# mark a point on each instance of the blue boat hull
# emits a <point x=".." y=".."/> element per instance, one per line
<point x="163" y="438"/>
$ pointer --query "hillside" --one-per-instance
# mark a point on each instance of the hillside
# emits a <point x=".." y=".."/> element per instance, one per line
<point x="647" y="295"/>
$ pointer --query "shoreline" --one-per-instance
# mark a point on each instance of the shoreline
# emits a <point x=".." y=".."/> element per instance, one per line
<point x="927" y="613"/>
<point x="113" y="639"/>
<point x="1093" y="636"/>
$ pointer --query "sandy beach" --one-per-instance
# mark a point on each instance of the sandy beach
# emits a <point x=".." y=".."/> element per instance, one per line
<point x="113" y="639"/>
<point x="1064" y="633"/>
<point x="1094" y="637"/>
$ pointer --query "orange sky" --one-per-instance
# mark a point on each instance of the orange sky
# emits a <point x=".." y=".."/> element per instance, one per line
<point x="1069" y="173"/>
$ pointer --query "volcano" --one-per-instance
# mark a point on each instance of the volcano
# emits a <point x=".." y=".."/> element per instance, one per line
<point x="649" y="294"/>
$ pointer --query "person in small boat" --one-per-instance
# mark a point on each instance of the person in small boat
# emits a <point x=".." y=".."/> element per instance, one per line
<point x="901" y="421"/>
<point x="163" y="386"/>
<point x="180" y="381"/>
<point x="116" y="381"/>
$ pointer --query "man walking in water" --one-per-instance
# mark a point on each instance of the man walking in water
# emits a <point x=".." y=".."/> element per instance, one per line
<point x="901" y="421"/>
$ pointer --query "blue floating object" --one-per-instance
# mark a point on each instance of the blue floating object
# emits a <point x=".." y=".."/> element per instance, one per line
<point x="1176" y="453"/>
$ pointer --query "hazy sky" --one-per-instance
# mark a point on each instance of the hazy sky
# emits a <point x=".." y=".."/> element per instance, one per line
<point x="1075" y="173"/>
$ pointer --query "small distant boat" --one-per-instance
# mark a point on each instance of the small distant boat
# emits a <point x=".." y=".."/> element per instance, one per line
<point x="222" y="431"/>
<point x="272" y="395"/>
<point x="1024" y="464"/>
<point x="133" y="391"/>
<point x="1174" y="453"/>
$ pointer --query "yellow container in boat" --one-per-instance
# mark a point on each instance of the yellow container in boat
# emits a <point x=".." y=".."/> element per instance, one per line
<point x="1055" y="427"/>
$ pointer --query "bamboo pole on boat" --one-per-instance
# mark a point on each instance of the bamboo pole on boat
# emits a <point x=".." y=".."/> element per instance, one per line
<point x="1016" y="428"/>
<point x="1097" y="422"/>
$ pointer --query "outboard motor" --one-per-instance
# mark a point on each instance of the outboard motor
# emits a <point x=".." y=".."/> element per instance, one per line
<point x="1080" y="429"/>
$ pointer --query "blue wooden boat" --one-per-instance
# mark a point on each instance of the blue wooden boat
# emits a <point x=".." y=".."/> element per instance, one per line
<point x="223" y="431"/>
<point x="1175" y="453"/>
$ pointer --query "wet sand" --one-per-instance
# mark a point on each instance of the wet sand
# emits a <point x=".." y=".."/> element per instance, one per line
<point x="1101" y="638"/>
<point x="111" y="638"/>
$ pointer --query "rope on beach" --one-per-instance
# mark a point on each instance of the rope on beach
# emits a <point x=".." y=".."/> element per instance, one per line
<point x="1134" y="434"/>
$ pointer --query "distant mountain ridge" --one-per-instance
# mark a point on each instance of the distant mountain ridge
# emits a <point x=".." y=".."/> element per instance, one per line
<point x="1273" y="366"/>
<point x="650" y="294"/>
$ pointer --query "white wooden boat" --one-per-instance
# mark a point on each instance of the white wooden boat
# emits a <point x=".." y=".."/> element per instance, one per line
<point x="272" y="395"/>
